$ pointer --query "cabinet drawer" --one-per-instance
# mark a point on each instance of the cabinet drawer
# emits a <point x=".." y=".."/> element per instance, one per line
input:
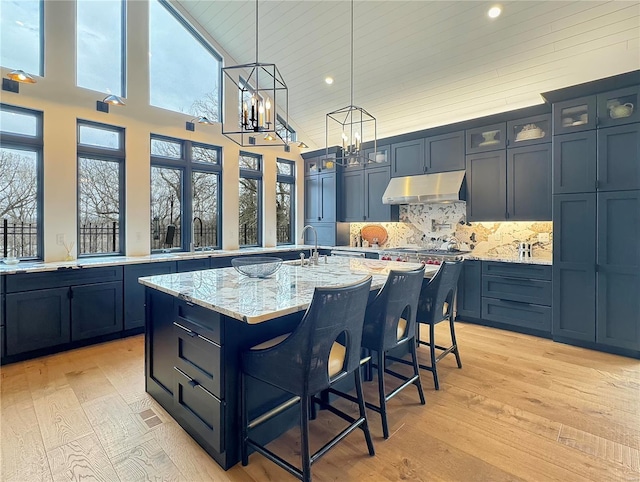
<point x="200" y="410"/>
<point x="56" y="279"/>
<point x="525" y="315"/>
<point x="200" y="358"/>
<point x="204" y="322"/>
<point x="517" y="270"/>
<point x="517" y="289"/>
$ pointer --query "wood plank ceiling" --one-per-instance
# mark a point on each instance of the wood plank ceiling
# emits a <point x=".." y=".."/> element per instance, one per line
<point x="420" y="64"/>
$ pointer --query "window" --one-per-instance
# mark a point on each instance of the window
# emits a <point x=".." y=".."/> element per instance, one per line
<point x="185" y="195"/>
<point x="20" y="182"/>
<point x="100" y="57"/>
<point x="284" y="130"/>
<point x="100" y="189"/>
<point x="175" y="48"/>
<point x="285" y="189"/>
<point x="21" y="24"/>
<point x="250" y="199"/>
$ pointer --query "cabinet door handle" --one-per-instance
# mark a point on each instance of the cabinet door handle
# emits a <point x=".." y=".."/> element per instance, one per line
<point x="186" y="330"/>
<point x="190" y="381"/>
<point x="70" y="293"/>
<point x="597" y="184"/>
<point x="515" y="303"/>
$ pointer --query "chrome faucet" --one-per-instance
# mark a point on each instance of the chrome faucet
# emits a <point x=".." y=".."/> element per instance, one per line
<point x="193" y="233"/>
<point x="314" y="252"/>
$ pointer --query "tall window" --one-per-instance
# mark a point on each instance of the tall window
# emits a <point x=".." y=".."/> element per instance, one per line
<point x="250" y="199"/>
<point x="21" y="24"/>
<point x="284" y="130"/>
<point x="100" y="59"/>
<point x="185" y="195"/>
<point x="285" y="189"/>
<point x="100" y="189"/>
<point x="20" y="181"/>
<point x="175" y="49"/>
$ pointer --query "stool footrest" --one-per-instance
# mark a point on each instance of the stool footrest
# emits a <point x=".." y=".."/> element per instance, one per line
<point x="273" y="412"/>
<point x="279" y="461"/>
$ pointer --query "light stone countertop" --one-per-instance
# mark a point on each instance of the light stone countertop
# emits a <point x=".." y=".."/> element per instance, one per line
<point x="509" y="259"/>
<point x="289" y="290"/>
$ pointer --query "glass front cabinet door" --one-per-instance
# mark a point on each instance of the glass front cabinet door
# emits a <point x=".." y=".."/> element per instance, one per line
<point x="618" y="107"/>
<point x="574" y="115"/>
<point x="487" y="138"/>
<point x="530" y="130"/>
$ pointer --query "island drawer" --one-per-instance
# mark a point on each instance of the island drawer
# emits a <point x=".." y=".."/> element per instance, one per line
<point x="200" y="411"/>
<point x="200" y="358"/>
<point x="517" y="270"/>
<point x="515" y="313"/>
<point x="201" y="320"/>
<point x="517" y="289"/>
<point x="62" y="278"/>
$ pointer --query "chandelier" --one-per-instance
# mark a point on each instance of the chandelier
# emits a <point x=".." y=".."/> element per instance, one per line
<point x="349" y="125"/>
<point x="259" y="115"/>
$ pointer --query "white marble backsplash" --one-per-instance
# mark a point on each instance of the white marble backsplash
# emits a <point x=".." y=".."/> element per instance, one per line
<point x="419" y="223"/>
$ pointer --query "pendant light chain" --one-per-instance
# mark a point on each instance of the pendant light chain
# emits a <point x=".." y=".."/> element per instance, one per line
<point x="256" y="31"/>
<point x="351" y="52"/>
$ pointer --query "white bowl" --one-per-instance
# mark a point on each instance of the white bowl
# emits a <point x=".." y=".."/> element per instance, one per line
<point x="11" y="261"/>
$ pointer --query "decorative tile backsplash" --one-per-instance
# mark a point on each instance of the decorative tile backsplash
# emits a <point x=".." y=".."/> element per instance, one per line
<point x="419" y="223"/>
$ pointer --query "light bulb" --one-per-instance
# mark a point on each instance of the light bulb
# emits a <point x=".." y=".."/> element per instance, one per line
<point x="494" y="12"/>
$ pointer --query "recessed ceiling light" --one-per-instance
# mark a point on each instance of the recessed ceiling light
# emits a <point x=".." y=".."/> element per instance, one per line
<point x="494" y="12"/>
<point x="329" y="80"/>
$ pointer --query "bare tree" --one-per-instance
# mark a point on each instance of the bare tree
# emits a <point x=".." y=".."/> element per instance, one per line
<point x="18" y="185"/>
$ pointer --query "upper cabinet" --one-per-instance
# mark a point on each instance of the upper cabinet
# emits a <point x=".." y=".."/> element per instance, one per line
<point x="441" y="153"/>
<point x="619" y="158"/>
<point x="487" y="186"/>
<point x="486" y="138"/>
<point x="407" y="158"/>
<point x="574" y="163"/>
<point x="381" y="156"/>
<point x="529" y="183"/>
<point x="318" y="164"/>
<point x="612" y="108"/>
<point x="530" y="130"/>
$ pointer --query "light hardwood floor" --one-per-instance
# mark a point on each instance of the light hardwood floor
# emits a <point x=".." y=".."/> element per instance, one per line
<point x="521" y="408"/>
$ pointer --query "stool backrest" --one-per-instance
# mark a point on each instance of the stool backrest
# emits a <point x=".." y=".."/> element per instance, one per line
<point x="299" y="364"/>
<point x="397" y="299"/>
<point x="440" y="290"/>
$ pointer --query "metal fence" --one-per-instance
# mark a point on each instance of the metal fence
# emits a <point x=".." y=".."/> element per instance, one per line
<point x="19" y="239"/>
<point x="99" y="238"/>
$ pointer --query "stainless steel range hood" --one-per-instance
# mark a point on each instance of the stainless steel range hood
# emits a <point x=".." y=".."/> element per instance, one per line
<point x="442" y="187"/>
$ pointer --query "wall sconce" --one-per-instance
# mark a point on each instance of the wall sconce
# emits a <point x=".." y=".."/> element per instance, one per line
<point x="191" y="126"/>
<point x="14" y="79"/>
<point x="103" y="105"/>
<point x="302" y="145"/>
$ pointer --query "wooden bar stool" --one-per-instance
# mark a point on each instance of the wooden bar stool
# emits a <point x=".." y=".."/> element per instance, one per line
<point x="322" y="350"/>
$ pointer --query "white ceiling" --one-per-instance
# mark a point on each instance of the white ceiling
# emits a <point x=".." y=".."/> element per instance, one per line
<point x="420" y="64"/>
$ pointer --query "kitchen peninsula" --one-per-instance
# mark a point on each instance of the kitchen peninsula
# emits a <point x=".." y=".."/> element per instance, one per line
<point x="198" y="323"/>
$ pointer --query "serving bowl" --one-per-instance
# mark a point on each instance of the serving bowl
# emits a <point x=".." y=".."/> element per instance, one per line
<point x="10" y="260"/>
<point x="258" y="267"/>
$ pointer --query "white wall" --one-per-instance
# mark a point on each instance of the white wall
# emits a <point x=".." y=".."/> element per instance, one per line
<point x="63" y="103"/>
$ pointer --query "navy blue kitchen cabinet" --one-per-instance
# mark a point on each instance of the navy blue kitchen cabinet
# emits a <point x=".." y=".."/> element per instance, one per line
<point x="48" y="309"/>
<point x="529" y="183"/>
<point x="618" y="158"/>
<point x="574" y="266"/>
<point x="486" y="138"/>
<point x="185" y="265"/>
<point x="37" y="319"/>
<point x="487" y="186"/>
<point x="311" y="199"/>
<point x="379" y="157"/>
<point x="445" y="152"/>
<point x="618" y="107"/>
<point x="327" y="201"/>
<point x="574" y="163"/>
<point x="529" y="130"/>
<point x="407" y="158"/>
<point x="321" y="187"/>
<point x="575" y="115"/>
<point x="329" y="234"/>
<point x="376" y="180"/>
<point x="470" y="290"/>
<point x="353" y="202"/>
<point x="618" y="269"/>
<point x="134" y="291"/>
<point x="96" y="309"/>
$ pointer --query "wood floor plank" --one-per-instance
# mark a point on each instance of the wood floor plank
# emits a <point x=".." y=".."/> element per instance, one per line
<point x="144" y="462"/>
<point x="81" y="460"/>
<point x="89" y="384"/>
<point x="117" y="428"/>
<point x="23" y="453"/>
<point x="61" y="418"/>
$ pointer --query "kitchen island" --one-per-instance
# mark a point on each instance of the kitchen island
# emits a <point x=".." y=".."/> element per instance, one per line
<point x="198" y="323"/>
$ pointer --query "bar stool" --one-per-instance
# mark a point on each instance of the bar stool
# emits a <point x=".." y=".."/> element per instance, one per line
<point x="436" y="304"/>
<point x="322" y="350"/>
<point x="390" y="322"/>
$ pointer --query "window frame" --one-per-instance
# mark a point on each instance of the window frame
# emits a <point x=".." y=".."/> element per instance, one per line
<point x="109" y="155"/>
<point x="32" y="144"/>
<point x="187" y="165"/>
<point x="255" y="174"/>
<point x="292" y="134"/>
<point x="288" y="179"/>
<point x="202" y="41"/>
<point x="123" y="50"/>
<point x="41" y="39"/>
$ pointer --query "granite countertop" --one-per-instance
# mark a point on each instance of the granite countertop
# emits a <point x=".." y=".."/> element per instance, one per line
<point x="289" y="290"/>
<point x="509" y="259"/>
<point x="93" y="262"/>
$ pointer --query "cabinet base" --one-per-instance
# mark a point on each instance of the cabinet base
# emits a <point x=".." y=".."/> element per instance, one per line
<point x="505" y="326"/>
<point x="598" y="347"/>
